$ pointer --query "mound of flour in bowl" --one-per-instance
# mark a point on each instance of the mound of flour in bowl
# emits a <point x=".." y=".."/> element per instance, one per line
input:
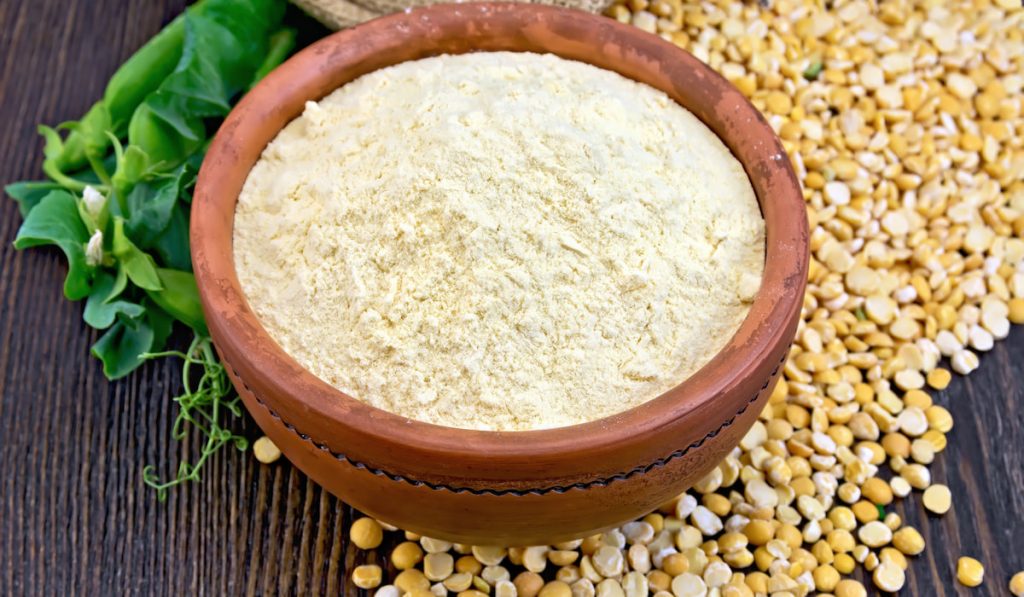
<point x="499" y="241"/>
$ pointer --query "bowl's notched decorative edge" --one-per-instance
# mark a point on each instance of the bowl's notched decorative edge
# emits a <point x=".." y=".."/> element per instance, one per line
<point x="639" y="470"/>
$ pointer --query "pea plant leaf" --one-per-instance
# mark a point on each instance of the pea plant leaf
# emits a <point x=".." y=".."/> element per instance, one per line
<point x="159" y="139"/>
<point x="55" y="221"/>
<point x="120" y="283"/>
<point x="29" y="193"/>
<point x="121" y="348"/>
<point x="199" y="87"/>
<point x="102" y="308"/>
<point x="252" y="24"/>
<point x="151" y="205"/>
<point x="172" y="245"/>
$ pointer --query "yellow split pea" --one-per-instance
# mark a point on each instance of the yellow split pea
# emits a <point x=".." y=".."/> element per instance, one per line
<point x="265" y="450"/>
<point x="937" y="499"/>
<point x="969" y="571"/>
<point x="366" y="533"/>
<point x="1017" y="584"/>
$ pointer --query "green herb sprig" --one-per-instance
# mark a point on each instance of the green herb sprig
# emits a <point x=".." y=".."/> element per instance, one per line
<point x="118" y="197"/>
<point x="203" y="405"/>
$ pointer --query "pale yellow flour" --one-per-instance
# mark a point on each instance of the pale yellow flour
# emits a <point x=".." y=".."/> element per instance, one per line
<point x="499" y="241"/>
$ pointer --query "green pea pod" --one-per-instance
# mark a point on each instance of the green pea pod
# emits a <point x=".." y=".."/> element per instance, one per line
<point x="180" y="298"/>
<point x="225" y="43"/>
<point x="143" y="73"/>
<point x="133" y="81"/>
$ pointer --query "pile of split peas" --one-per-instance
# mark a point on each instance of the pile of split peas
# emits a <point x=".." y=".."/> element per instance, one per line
<point x="905" y="124"/>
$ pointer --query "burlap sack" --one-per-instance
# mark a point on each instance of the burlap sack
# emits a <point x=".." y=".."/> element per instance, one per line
<point x="338" y="14"/>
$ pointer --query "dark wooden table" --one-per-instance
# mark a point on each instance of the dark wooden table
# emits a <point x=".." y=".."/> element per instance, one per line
<point x="74" y="515"/>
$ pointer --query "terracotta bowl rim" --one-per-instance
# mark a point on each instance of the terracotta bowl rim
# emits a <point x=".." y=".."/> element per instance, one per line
<point x="765" y="327"/>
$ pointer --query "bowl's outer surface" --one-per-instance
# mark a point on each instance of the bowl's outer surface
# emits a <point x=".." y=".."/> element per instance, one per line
<point x="519" y="487"/>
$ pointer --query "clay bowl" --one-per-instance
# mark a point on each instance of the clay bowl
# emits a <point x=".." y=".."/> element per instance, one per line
<point x="517" y="488"/>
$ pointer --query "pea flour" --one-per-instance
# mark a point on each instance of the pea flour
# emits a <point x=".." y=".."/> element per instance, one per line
<point x="499" y="241"/>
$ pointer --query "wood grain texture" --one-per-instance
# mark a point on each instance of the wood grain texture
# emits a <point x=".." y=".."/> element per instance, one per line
<point x="75" y="518"/>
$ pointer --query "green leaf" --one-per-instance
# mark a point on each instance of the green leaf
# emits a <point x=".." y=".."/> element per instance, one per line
<point x="138" y="265"/>
<point x="251" y="23"/>
<point x="159" y="140"/>
<point x="149" y="210"/>
<point x="100" y="308"/>
<point x="151" y="204"/>
<point x="172" y="246"/>
<point x="159" y="217"/>
<point x="55" y="221"/>
<point x="120" y="348"/>
<point x="120" y="283"/>
<point x="199" y="89"/>
<point x="141" y="269"/>
<point x="180" y="299"/>
<point x="29" y="193"/>
<point x="160" y="323"/>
